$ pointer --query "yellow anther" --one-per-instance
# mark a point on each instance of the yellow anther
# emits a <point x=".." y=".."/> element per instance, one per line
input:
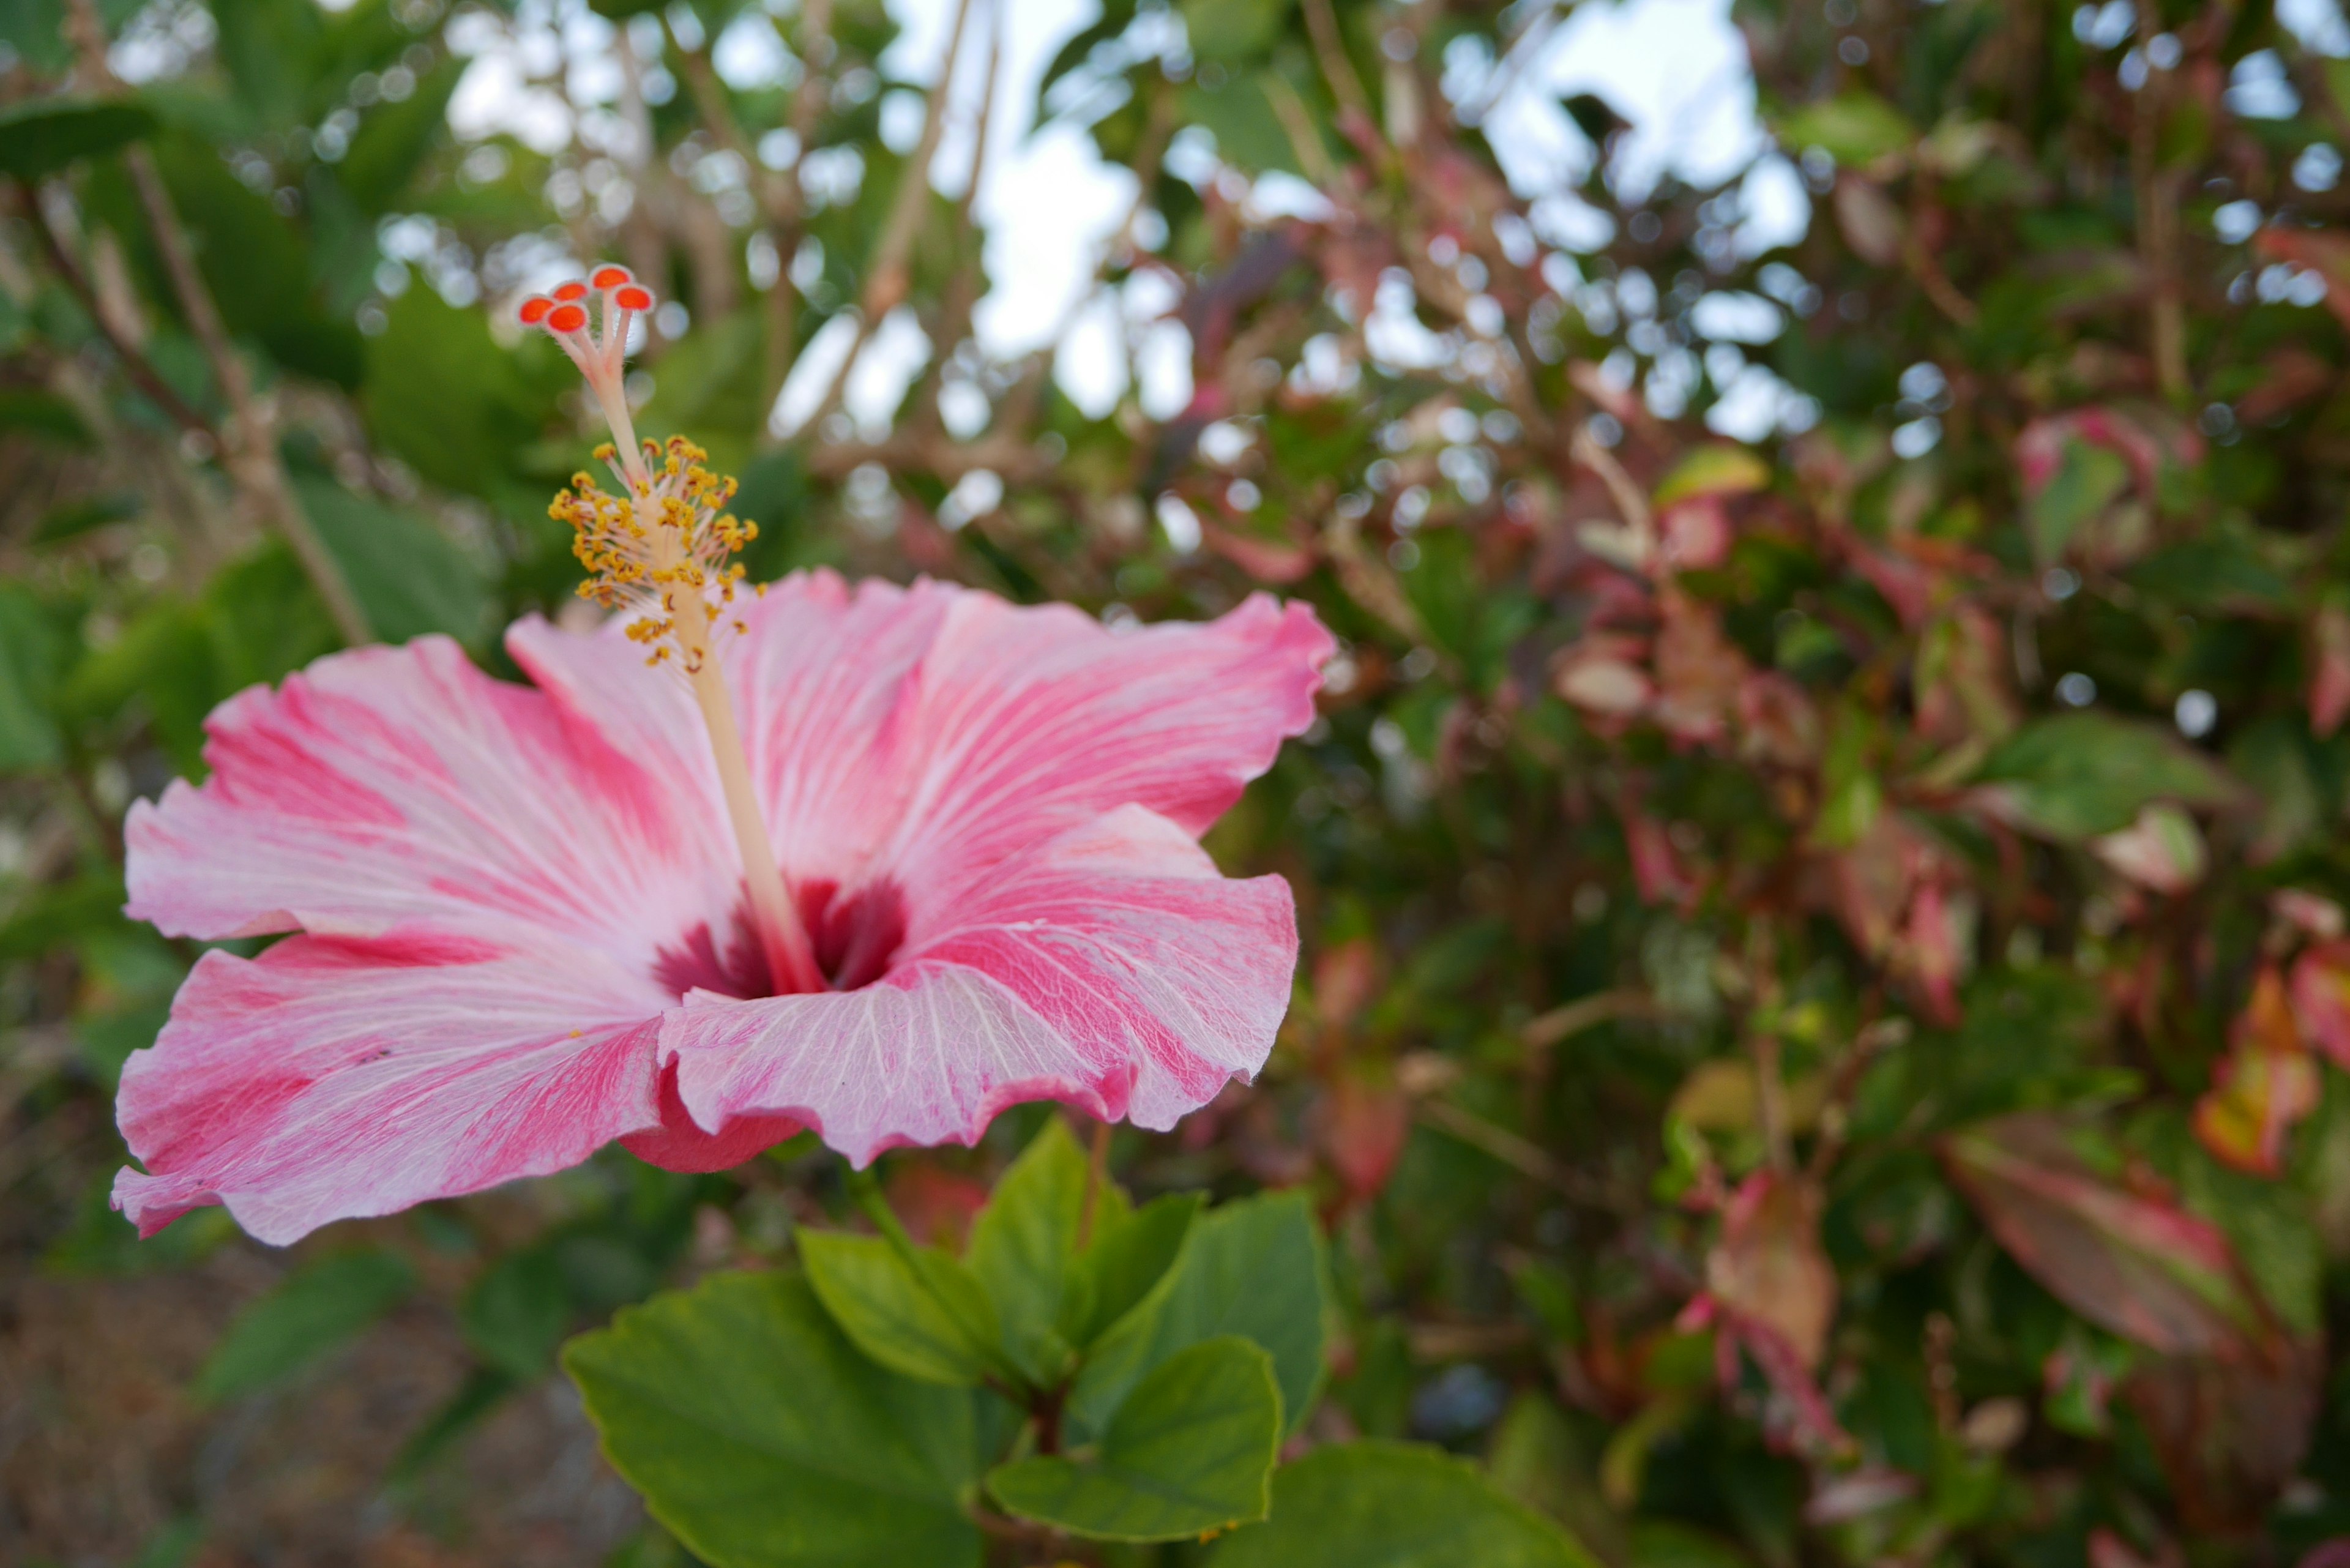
<point x="664" y="553"/>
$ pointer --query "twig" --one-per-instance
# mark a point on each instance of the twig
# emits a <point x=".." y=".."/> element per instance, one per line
<point x="2157" y="219"/>
<point x="1521" y="53"/>
<point x="1634" y="505"/>
<point x="787" y="219"/>
<point x="251" y="453"/>
<point x="135" y="362"/>
<point x="962" y="296"/>
<point x="1522" y="1154"/>
<point x="1298" y="126"/>
<point x="886" y="282"/>
<point x="1548" y="1029"/>
<point x="1330" y="53"/>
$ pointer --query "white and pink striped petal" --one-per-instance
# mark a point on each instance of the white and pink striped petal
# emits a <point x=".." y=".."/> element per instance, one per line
<point x="1111" y="968"/>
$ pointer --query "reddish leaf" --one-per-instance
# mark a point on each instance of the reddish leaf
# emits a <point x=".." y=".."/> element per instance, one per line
<point x="1345" y="977"/>
<point x="2320" y="999"/>
<point x="1963" y="690"/>
<point x="2107" y="1549"/>
<point x="1656" y="870"/>
<point x="1768" y="1268"/>
<point x="1699" y="671"/>
<point x="1776" y="721"/>
<point x="1266" y="560"/>
<point x="1602" y="674"/>
<point x="2136" y="1265"/>
<point x="2264" y="1085"/>
<point x="936" y="1206"/>
<point x="1696" y="534"/>
<point x="2162" y="849"/>
<point x="2329" y="670"/>
<point x="1362" y="1128"/>
<point x="2230" y="1434"/>
<point x="1932" y="953"/>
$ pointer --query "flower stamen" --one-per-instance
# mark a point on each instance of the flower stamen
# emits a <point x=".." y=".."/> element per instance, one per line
<point x="661" y="551"/>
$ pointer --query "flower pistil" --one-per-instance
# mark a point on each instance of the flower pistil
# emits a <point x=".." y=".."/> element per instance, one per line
<point x="661" y="551"/>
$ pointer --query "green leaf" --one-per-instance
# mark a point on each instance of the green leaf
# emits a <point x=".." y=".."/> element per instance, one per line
<point x="408" y="576"/>
<point x="1715" y="468"/>
<point x="1396" y="1505"/>
<point x="1115" y="17"/>
<point x="84" y="514"/>
<point x="39" y="137"/>
<point x="45" y="415"/>
<point x="763" y="1439"/>
<point x="1230" y="30"/>
<point x="515" y="1315"/>
<point x="930" y="1319"/>
<point x="2087" y="480"/>
<point x="392" y="141"/>
<point x="1248" y="129"/>
<point x="1191" y="1450"/>
<point x="318" y="1308"/>
<point x="446" y="397"/>
<point x="1120" y="1269"/>
<point x="1856" y="128"/>
<point x="28" y="651"/>
<point x="1252" y="1268"/>
<point x="271" y="49"/>
<point x="2076" y="775"/>
<point x="1024" y="1242"/>
<point x="254" y="260"/>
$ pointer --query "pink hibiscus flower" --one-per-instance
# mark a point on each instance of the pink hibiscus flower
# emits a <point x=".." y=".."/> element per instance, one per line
<point x="523" y="926"/>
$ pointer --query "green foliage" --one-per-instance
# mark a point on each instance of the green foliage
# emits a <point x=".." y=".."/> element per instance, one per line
<point x="1189" y="1450"/>
<point x="446" y="397"/>
<point x="1024" y="1248"/>
<point x="1211" y="1326"/>
<point x="761" y="1438"/>
<point x="39" y="137"/>
<point x="410" y="578"/>
<point x="1251" y="1269"/>
<point x="915" y="1311"/>
<point x="2079" y="775"/>
<point x="1395" y="1505"/>
<point x="316" y="1310"/>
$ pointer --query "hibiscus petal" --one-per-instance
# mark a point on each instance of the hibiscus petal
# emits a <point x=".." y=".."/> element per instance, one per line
<point x="335" y="1078"/>
<point x="918" y="736"/>
<point x="390" y="786"/>
<point x="1111" y="968"/>
<point x="817" y="682"/>
<point x="1024" y="723"/>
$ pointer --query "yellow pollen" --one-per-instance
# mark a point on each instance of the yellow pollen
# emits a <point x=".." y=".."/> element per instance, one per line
<point x="664" y="553"/>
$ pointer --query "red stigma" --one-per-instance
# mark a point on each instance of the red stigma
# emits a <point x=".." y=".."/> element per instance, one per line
<point x="566" y="318"/>
<point x="571" y="291"/>
<point x="634" y="298"/>
<point x="609" y="276"/>
<point x="534" y="309"/>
